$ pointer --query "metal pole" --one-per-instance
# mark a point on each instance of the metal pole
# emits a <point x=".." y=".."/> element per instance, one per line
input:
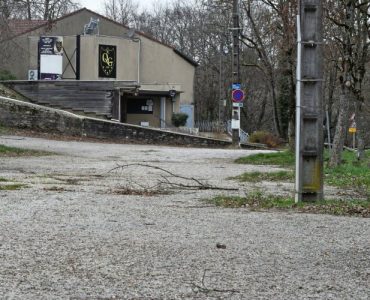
<point x="298" y="164"/>
<point x="220" y="91"/>
<point x="354" y="141"/>
<point x="236" y="61"/>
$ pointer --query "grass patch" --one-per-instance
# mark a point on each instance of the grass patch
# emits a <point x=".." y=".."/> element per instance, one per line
<point x="255" y="200"/>
<point x="351" y="173"/>
<point x="12" y="187"/>
<point x="259" y="202"/>
<point x="3" y="179"/>
<point x="6" y="151"/>
<point x="270" y="176"/>
<point x="283" y="158"/>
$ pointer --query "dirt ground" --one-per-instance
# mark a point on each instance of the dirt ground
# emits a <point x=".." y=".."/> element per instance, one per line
<point x="78" y="230"/>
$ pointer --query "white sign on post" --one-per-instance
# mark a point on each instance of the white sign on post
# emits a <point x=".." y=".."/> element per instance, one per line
<point x="235" y="124"/>
<point x="235" y="120"/>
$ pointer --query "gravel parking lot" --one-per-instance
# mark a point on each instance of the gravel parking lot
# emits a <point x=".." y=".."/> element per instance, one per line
<point x="74" y="232"/>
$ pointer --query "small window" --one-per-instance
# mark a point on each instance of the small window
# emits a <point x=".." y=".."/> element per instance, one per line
<point x="140" y="106"/>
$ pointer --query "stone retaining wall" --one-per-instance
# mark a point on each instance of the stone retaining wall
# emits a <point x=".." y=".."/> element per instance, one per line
<point x="19" y="114"/>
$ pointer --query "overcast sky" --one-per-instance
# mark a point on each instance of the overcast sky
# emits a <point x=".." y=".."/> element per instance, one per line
<point x="97" y="5"/>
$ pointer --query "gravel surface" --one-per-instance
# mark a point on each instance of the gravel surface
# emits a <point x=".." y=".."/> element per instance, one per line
<point x="70" y="234"/>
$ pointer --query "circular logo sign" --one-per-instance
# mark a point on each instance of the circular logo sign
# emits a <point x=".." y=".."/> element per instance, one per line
<point x="237" y="95"/>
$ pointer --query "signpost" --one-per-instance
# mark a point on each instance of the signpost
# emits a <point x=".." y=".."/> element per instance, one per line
<point x="353" y="129"/>
<point x="237" y="97"/>
<point x="235" y="117"/>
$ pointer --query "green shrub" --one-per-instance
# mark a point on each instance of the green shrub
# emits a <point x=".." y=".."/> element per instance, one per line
<point x="6" y="75"/>
<point x="266" y="138"/>
<point x="179" y="119"/>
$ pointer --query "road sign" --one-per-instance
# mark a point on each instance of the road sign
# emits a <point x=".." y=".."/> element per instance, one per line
<point x="236" y="86"/>
<point x="237" y="104"/>
<point x="237" y="95"/>
<point x="352" y="129"/>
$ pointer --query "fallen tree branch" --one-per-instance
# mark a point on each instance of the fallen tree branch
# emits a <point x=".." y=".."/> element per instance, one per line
<point x="193" y="183"/>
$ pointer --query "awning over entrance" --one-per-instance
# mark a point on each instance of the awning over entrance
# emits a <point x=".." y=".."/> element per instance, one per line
<point x="163" y="90"/>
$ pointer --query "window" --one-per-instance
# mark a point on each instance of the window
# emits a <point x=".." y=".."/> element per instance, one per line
<point x="140" y="106"/>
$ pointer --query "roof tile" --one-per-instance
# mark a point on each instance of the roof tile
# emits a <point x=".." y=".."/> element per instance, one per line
<point x="17" y="26"/>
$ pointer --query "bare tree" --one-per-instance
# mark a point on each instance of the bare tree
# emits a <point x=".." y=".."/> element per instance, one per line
<point x="201" y="30"/>
<point x="201" y="33"/>
<point x="122" y="11"/>
<point x="36" y="9"/>
<point x="270" y="31"/>
<point x="351" y="21"/>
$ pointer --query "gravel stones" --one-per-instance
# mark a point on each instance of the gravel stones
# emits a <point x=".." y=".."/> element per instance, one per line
<point x="67" y="236"/>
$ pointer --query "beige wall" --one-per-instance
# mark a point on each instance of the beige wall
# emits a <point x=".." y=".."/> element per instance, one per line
<point x="70" y="45"/>
<point x="159" y="64"/>
<point x="127" y="55"/>
<point x="17" y="58"/>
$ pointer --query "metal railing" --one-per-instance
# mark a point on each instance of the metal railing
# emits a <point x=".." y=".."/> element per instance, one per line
<point x="211" y="126"/>
<point x="243" y="136"/>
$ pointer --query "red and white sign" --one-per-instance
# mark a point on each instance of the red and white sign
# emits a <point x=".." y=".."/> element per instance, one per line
<point x="237" y="95"/>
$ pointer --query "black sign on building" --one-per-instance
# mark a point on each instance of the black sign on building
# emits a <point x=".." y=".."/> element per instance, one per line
<point x="107" y="61"/>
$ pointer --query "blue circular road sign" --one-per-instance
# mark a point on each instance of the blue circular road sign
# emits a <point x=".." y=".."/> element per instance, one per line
<point x="238" y="95"/>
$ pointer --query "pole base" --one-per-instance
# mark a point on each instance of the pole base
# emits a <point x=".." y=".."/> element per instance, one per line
<point x="308" y="197"/>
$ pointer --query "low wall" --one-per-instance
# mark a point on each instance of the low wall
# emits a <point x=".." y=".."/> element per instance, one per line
<point x="19" y="114"/>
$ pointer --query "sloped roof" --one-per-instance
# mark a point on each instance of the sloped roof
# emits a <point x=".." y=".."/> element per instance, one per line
<point x="17" y="27"/>
<point x="20" y="27"/>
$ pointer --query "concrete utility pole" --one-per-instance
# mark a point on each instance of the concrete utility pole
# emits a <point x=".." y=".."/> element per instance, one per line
<point x="309" y="110"/>
<point x="236" y="67"/>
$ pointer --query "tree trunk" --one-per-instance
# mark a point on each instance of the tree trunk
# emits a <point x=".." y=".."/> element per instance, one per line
<point x="340" y="130"/>
<point x="291" y="135"/>
<point x="261" y="115"/>
<point x="292" y="112"/>
<point x="46" y="10"/>
<point x="360" y="131"/>
<point x="29" y="16"/>
<point x="274" y="105"/>
<point x="346" y="82"/>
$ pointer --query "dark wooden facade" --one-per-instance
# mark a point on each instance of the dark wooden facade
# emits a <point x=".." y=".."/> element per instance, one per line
<point x="99" y="98"/>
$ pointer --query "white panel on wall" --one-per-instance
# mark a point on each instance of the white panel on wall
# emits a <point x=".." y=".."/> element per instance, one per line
<point x="51" y="64"/>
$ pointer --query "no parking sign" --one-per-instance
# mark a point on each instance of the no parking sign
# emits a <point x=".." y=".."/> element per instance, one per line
<point x="237" y="95"/>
